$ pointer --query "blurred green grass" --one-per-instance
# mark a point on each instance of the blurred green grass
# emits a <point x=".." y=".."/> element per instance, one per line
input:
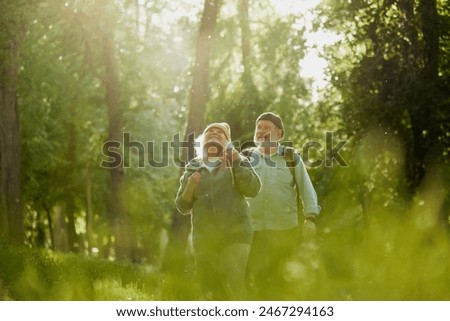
<point x="38" y="274"/>
<point x="391" y="259"/>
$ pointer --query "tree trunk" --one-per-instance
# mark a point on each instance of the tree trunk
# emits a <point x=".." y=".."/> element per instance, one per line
<point x="89" y="214"/>
<point x="200" y="83"/>
<point x="245" y="42"/>
<point x="249" y="107"/>
<point x="70" y="207"/>
<point x="175" y="258"/>
<point x="430" y="29"/>
<point x="123" y="243"/>
<point x="422" y="118"/>
<point x="11" y="216"/>
<point x="12" y="219"/>
<point x="60" y="230"/>
<point x="50" y="227"/>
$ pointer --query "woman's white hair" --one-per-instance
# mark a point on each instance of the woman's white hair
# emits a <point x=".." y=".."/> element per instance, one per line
<point x="199" y="141"/>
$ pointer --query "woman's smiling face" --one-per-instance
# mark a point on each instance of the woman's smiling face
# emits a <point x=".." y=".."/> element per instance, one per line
<point x="215" y="141"/>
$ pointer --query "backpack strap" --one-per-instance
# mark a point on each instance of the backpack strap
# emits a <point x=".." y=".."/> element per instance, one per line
<point x="292" y="160"/>
<point x="289" y="156"/>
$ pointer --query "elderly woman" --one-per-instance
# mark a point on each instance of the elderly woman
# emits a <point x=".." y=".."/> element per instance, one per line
<point x="213" y="189"/>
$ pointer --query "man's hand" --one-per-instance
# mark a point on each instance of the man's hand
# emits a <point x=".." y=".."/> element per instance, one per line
<point x="308" y="230"/>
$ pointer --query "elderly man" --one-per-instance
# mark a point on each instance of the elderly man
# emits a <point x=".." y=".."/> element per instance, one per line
<point x="274" y="211"/>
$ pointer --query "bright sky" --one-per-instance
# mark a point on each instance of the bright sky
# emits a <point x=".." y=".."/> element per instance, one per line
<point x="312" y="66"/>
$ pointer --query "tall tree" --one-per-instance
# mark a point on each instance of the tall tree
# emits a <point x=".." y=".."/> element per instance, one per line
<point x="119" y="217"/>
<point x="429" y="96"/>
<point x="249" y="106"/>
<point x="178" y="237"/>
<point x="245" y="43"/>
<point x="70" y="208"/>
<point x="13" y="25"/>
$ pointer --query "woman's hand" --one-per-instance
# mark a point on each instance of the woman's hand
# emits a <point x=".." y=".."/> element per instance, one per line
<point x="234" y="155"/>
<point x="194" y="180"/>
<point x="192" y="183"/>
<point x="230" y="156"/>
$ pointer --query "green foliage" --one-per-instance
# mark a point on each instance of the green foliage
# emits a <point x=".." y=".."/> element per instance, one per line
<point x="384" y="72"/>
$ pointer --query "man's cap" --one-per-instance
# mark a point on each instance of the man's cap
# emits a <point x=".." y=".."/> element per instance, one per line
<point x="223" y="126"/>
<point x="274" y="118"/>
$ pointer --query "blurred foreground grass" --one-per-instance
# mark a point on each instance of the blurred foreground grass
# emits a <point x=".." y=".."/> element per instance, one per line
<point x="390" y="260"/>
<point x="38" y="274"/>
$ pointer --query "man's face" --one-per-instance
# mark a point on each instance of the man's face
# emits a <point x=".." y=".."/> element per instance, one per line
<point x="266" y="131"/>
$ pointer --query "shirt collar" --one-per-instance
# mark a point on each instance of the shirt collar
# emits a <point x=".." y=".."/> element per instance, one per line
<point x="279" y="152"/>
